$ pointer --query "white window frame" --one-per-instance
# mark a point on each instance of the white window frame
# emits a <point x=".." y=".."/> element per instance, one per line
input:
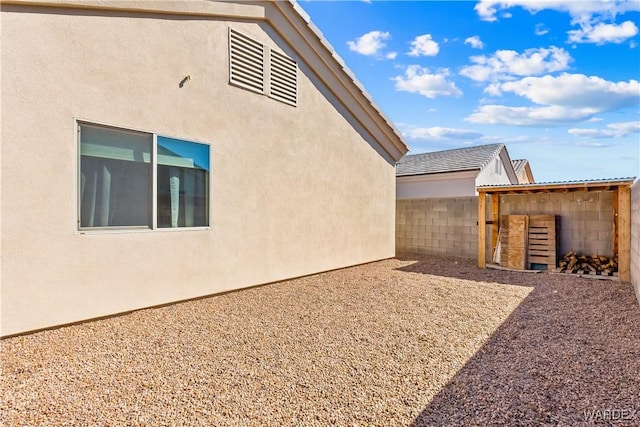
<point x="154" y="183"/>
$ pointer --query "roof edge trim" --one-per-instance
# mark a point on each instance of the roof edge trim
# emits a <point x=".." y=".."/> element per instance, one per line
<point x="439" y="173"/>
<point x="558" y="186"/>
<point x="186" y="8"/>
<point x="346" y="79"/>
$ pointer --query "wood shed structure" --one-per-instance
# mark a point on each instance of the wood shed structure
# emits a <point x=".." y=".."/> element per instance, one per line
<point x="593" y="216"/>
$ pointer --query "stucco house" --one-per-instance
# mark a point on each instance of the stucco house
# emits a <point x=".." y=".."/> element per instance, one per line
<point x="453" y="173"/>
<point x="159" y="151"/>
<point x="522" y="169"/>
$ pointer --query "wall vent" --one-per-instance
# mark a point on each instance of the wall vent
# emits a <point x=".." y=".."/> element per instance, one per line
<point x="246" y="62"/>
<point x="283" y="78"/>
<point x="255" y="67"/>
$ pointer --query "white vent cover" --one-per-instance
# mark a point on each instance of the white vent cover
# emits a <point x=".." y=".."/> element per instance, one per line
<point x="246" y="62"/>
<point x="283" y="78"/>
<point x="259" y="69"/>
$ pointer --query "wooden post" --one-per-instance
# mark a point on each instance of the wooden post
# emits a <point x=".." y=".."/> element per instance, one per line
<point x="495" y="221"/>
<point x="614" y="235"/>
<point x="482" y="229"/>
<point x="623" y="233"/>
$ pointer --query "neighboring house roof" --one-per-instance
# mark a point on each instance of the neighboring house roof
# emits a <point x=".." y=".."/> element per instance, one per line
<point x="519" y="164"/>
<point x="456" y="160"/>
<point x="293" y="24"/>
<point x="522" y="166"/>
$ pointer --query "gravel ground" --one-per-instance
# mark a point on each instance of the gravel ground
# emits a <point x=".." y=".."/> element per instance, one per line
<point x="413" y="340"/>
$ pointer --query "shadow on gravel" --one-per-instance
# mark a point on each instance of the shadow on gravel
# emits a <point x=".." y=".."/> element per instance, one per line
<point x="569" y="354"/>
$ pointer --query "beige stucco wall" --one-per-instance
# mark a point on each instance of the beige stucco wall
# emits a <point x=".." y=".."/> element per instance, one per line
<point x="295" y="190"/>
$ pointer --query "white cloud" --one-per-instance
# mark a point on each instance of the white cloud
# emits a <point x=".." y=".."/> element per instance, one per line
<point x="493" y="89"/>
<point x="576" y="91"/>
<point x="391" y="55"/>
<point x="420" y="80"/>
<point x="474" y="42"/>
<point x="527" y="116"/>
<point x="568" y="98"/>
<point x="579" y="10"/>
<point x="441" y="133"/>
<point x="370" y="43"/>
<point x="603" y="33"/>
<point x="487" y="10"/>
<point x="595" y="19"/>
<point x="613" y="130"/>
<point x="424" y="46"/>
<point x="505" y="64"/>
<point x="540" y="30"/>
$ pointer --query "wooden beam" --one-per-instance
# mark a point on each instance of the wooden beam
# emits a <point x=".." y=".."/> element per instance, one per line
<point x="623" y="233"/>
<point x="482" y="229"/>
<point x="599" y="185"/>
<point x="495" y="221"/>
<point x="614" y="235"/>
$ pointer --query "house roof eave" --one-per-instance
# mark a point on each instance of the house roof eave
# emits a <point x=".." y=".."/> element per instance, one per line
<point x="337" y="74"/>
<point x="508" y="165"/>
<point x="191" y="8"/>
<point x="466" y="172"/>
<point x="327" y="64"/>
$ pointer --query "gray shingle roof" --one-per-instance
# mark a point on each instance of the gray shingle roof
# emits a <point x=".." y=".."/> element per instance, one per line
<point x="456" y="160"/>
<point x="519" y="164"/>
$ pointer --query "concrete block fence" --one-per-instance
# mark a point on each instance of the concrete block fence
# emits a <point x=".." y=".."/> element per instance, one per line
<point x="586" y="218"/>
<point x="448" y="226"/>
<point x="438" y="226"/>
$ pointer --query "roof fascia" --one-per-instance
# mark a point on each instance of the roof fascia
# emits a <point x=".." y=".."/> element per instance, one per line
<point x="527" y="169"/>
<point x="439" y="176"/>
<point x="189" y="8"/>
<point x="604" y="185"/>
<point x="336" y="76"/>
<point x="508" y="166"/>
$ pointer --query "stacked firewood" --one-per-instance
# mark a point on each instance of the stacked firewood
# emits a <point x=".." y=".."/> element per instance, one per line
<point x="588" y="263"/>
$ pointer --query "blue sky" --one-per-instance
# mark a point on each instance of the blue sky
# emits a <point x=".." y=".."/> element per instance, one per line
<point x="556" y="81"/>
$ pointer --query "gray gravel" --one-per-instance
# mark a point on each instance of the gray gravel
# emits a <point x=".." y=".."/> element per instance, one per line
<point x="412" y="340"/>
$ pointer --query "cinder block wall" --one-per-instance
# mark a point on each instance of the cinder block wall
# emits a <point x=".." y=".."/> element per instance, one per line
<point x="448" y="226"/>
<point x="635" y="237"/>
<point x="439" y="226"/>
<point x="586" y="218"/>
